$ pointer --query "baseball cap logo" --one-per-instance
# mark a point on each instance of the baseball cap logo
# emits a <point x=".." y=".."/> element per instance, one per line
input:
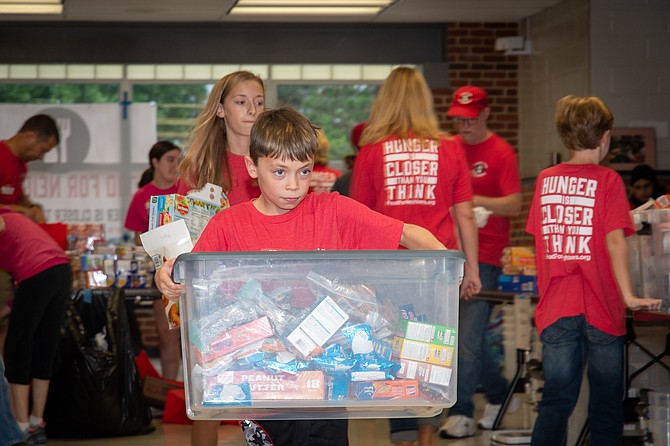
<point x="465" y="98"/>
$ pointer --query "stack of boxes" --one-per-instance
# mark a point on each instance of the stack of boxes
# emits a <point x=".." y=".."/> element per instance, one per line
<point x="425" y="351"/>
<point x="519" y="273"/>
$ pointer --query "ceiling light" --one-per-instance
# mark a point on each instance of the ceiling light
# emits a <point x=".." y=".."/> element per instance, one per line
<point x="31" y="7"/>
<point x="34" y="2"/>
<point x="309" y="7"/>
<point x="303" y="10"/>
<point x="314" y="2"/>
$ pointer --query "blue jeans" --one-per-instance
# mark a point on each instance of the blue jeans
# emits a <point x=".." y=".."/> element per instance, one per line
<point x="9" y="430"/>
<point x="475" y="365"/>
<point x="568" y="345"/>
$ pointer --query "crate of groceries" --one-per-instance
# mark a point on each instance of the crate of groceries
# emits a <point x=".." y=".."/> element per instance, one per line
<point x="319" y="334"/>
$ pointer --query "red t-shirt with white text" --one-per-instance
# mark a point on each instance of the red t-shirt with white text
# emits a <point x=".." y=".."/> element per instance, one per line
<point x="414" y="180"/>
<point x="574" y="207"/>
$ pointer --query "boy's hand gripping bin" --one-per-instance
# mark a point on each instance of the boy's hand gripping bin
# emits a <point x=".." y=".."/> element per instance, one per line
<point x="319" y="334"/>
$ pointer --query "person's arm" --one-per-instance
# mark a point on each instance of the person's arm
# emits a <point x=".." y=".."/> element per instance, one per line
<point x="31" y="210"/>
<point x="416" y="237"/>
<point x="467" y="231"/>
<point x="505" y="206"/>
<point x="618" y="253"/>
<point x="164" y="283"/>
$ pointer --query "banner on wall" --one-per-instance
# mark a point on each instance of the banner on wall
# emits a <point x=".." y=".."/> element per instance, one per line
<point x="78" y="181"/>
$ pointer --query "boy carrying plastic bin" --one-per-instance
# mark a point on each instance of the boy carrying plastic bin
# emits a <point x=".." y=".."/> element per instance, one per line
<point x="286" y="217"/>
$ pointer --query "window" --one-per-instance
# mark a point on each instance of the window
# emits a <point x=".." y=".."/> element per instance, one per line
<point x="334" y="107"/>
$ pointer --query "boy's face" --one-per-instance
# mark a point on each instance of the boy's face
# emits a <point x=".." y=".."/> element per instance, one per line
<point x="283" y="183"/>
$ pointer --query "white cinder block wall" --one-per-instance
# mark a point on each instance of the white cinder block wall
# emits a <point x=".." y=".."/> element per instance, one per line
<point x="630" y="65"/>
<point x="559" y="65"/>
<point x="618" y="50"/>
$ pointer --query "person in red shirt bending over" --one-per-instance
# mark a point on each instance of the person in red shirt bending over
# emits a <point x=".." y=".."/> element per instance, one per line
<point x="44" y="277"/>
<point x="287" y="217"/>
<point x="579" y="217"/>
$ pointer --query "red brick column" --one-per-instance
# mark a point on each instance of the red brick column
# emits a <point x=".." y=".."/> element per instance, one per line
<point x="473" y="60"/>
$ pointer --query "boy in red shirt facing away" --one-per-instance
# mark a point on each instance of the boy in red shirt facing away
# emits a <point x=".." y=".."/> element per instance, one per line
<point x="579" y="217"/>
<point x="287" y="217"/>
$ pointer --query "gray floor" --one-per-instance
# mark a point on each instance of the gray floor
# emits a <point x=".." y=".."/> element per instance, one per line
<point x="361" y="433"/>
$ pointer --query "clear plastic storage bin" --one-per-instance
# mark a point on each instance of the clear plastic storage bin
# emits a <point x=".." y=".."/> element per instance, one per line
<point x="322" y="334"/>
<point x="660" y="228"/>
<point x="641" y="253"/>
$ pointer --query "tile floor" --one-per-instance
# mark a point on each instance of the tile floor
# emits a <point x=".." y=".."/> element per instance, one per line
<point x="361" y="433"/>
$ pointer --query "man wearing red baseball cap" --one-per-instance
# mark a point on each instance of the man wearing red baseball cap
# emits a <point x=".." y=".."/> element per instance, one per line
<point x="497" y="195"/>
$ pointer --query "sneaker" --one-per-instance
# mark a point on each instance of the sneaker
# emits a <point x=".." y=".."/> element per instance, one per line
<point x="35" y="435"/>
<point x="491" y="412"/>
<point x="28" y="439"/>
<point x="38" y="433"/>
<point x="458" y="426"/>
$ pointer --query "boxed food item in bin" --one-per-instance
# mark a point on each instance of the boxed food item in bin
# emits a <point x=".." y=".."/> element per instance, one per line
<point x="310" y="335"/>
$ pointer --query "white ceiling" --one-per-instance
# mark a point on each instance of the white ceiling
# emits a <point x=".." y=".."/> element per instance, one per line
<point x="403" y="11"/>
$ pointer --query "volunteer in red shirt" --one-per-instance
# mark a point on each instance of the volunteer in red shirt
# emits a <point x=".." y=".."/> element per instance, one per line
<point x="497" y="197"/>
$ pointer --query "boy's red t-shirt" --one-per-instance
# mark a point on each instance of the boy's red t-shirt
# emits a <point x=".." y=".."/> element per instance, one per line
<point x="320" y="222"/>
<point x="573" y="209"/>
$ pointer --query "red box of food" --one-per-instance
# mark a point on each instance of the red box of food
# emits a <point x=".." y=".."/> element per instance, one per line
<point x="305" y="385"/>
<point x="235" y="339"/>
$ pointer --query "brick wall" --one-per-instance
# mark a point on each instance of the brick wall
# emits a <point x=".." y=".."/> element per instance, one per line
<point x="473" y="60"/>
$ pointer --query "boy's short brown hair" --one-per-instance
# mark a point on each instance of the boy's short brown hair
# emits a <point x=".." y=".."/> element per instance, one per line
<point x="283" y="133"/>
<point x="582" y="121"/>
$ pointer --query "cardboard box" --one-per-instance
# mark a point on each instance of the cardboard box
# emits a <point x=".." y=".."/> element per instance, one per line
<point x="519" y="255"/>
<point x="307" y="385"/>
<point x="384" y="390"/>
<point x="155" y="390"/>
<point x="422" y="351"/>
<point x="424" y="372"/>
<point x="322" y="323"/>
<point x="424" y="332"/>
<point x="517" y="283"/>
<point x="196" y="213"/>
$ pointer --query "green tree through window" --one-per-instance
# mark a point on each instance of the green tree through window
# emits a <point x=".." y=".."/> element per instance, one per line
<point x="334" y="107"/>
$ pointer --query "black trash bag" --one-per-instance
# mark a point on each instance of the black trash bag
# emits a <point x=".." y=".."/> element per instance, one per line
<point x="96" y="389"/>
